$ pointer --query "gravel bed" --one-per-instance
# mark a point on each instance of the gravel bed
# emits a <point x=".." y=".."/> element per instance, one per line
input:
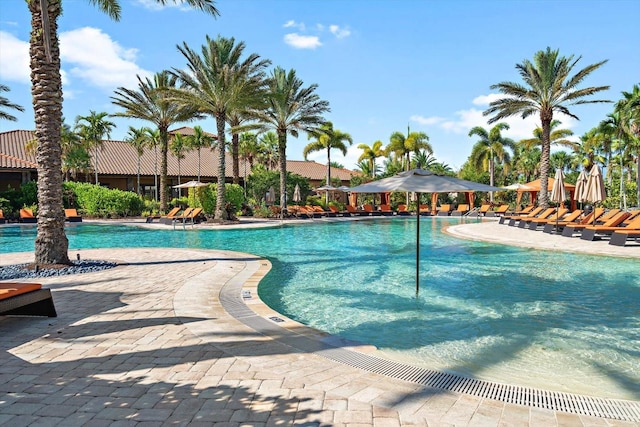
<point x="20" y="271"/>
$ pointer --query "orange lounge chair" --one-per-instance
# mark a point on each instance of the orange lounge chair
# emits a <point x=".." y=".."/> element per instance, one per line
<point x="563" y="215"/>
<point x="533" y="223"/>
<point x="512" y="219"/>
<point x="2" y="218"/>
<point x="71" y="215"/>
<point x="26" y="299"/>
<point x="444" y="210"/>
<point x="622" y="237"/>
<point x="461" y="210"/>
<point x="481" y="211"/>
<point x="370" y="210"/>
<point x="354" y="211"/>
<point x="26" y="216"/>
<point x="597" y="231"/>
<point x="425" y="210"/>
<point x="585" y="219"/>
<point x="499" y="211"/>
<point x="613" y="222"/>
<point x="166" y="219"/>
<point x="386" y="210"/>
<point x="402" y="210"/>
<point x="192" y="216"/>
<point x="524" y="222"/>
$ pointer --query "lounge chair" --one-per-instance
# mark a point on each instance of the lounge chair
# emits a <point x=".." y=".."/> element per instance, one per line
<point x="193" y="217"/>
<point x="322" y="212"/>
<point x="402" y="210"/>
<point x="386" y="210"/>
<point x="533" y="223"/>
<point x="2" y="218"/>
<point x="425" y="210"/>
<point x="499" y="211"/>
<point x="622" y="237"/>
<point x="354" y="211"/>
<point x="369" y="208"/>
<point x="26" y="299"/>
<point x="598" y="231"/>
<point x="524" y="222"/>
<point x="563" y="215"/>
<point x="461" y="210"/>
<point x="71" y="215"/>
<point x="338" y="212"/>
<point x="26" y="216"/>
<point x="444" y="210"/>
<point x="481" y="211"/>
<point x="512" y="219"/>
<point x="166" y="219"/>
<point x="569" y="230"/>
<point x="585" y="219"/>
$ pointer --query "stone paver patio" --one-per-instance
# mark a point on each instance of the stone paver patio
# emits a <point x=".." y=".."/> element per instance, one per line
<point x="149" y="343"/>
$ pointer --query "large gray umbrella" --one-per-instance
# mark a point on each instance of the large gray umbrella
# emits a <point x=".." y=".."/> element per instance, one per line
<point x="594" y="192"/>
<point x="191" y="184"/>
<point x="270" y="197"/>
<point x="421" y="181"/>
<point x="297" y="197"/>
<point x="558" y="192"/>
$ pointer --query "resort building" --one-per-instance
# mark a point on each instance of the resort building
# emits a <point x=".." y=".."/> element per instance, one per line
<point x="118" y="165"/>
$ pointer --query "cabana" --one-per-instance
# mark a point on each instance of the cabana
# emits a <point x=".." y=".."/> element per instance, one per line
<point x="534" y="188"/>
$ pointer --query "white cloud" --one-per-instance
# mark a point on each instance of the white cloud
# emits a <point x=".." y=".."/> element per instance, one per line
<point x="14" y="59"/>
<point x="427" y="121"/>
<point x="293" y="24"/>
<point x="156" y="5"/>
<point x="302" y="42"/>
<point x="94" y="57"/>
<point x="339" y="32"/>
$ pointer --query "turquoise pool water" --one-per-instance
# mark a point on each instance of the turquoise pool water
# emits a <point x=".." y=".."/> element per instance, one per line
<point x="557" y="321"/>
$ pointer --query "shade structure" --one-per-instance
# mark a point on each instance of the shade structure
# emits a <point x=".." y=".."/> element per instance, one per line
<point x="535" y="186"/>
<point x="594" y="192"/>
<point x="297" y="197"/>
<point x="581" y="185"/>
<point x="421" y="181"/>
<point x="191" y="184"/>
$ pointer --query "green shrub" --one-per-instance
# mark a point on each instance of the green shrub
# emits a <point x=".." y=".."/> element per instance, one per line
<point x="95" y="200"/>
<point x="206" y="197"/>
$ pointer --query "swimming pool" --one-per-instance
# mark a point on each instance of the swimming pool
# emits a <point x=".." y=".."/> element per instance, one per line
<point x="544" y="319"/>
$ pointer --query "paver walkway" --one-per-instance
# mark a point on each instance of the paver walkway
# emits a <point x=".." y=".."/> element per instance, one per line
<point x="148" y="343"/>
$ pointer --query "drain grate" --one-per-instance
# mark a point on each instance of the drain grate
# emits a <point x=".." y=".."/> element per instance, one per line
<point x="624" y="410"/>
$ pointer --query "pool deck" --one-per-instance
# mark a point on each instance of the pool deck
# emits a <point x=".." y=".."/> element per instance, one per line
<point x="158" y="341"/>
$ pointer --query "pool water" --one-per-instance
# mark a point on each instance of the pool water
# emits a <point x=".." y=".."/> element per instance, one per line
<point x="557" y="321"/>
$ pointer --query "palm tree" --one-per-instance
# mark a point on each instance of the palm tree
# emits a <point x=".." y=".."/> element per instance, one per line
<point x="137" y="137"/>
<point x="370" y="154"/>
<point x="199" y="140"/>
<point x="51" y="243"/>
<point x="402" y="146"/>
<point x="291" y="108"/>
<point x="268" y="153"/>
<point x="556" y="137"/>
<point x="235" y="119"/>
<point x="151" y="102"/>
<point x="75" y="157"/>
<point x="424" y="160"/>
<point x="218" y="83"/>
<point x="489" y="148"/>
<point x="526" y="161"/>
<point x="549" y="87"/>
<point x="327" y="138"/>
<point x="629" y="109"/>
<point x="562" y="160"/>
<point x="5" y="103"/>
<point x="178" y="146"/>
<point x="153" y="138"/>
<point x="93" y="129"/>
<point x="589" y="151"/>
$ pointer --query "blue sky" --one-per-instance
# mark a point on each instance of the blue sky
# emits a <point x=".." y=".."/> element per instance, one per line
<point x="382" y="65"/>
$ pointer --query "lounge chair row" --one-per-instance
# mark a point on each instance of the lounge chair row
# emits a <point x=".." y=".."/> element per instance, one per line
<point x="27" y="216"/>
<point x="617" y="225"/>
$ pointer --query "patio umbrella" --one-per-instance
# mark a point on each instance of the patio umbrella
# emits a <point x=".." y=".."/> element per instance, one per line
<point x="296" y="194"/>
<point x="594" y="191"/>
<point x="270" y="197"/>
<point x="581" y="185"/>
<point x="558" y="193"/>
<point x="328" y="189"/>
<point x="421" y="181"/>
<point x="191" y="184"/>
<point x="517" y="186"/>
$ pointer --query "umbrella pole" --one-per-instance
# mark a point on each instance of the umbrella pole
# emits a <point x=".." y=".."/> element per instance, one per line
<point x="418" y="245"/>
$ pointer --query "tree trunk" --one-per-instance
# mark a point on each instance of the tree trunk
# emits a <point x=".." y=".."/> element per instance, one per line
<point x="235" y="154"/>
<point x="164" y="154"/>
<point x="282" y="153"/>
<point x="221" y="211"/>
<point x="51" y="243"/>
<point x="491" y="180"/>
<point x="328" y="173"/>
<point x="543" y="196"/>
<point x="96" y="167"/>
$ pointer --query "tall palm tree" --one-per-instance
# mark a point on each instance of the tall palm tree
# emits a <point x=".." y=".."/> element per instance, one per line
<point x="589" y="151"/>
<point x="5" y="103"/>
<point x="75" y="157"/>
<point x="153" y="140"/>
<point x="269" y="153"/>
<point x="629" y="109"/>
<point x="151" y="103"/>
<point x="51" y="243"/>
<point x="402" y="146"/>
<point x="556" y="137"/>
<point x="548" y="87"/>
<point x="291" y="108"/>
<point x="327" y="138"/>
<point x="137" y="138"/>
<point x="525" y="162"/>
<point x="370" y="154"/>
<point x="178" y="146"/>
<point x="489" y="148"/>
<point x="235" y="119"/>
<point x="199" y="140"/>
<point x="93" y="129"/>
<point x="219" y="82"/>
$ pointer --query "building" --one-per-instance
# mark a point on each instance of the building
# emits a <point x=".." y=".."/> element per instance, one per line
<point x="118" y="165"/>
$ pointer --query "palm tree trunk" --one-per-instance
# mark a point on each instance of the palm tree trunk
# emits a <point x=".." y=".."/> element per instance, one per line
<point x="138" y="187"/>
<point x="221" y="211"/>
<point x="198" y="164"/>
<point x="164" y="153"/>
<point x="282" y="153"/>
<point x="543" y="197"/>
<point x="491" y="171"/>
<point x="51" y="243"/>
<point x="235" y="154"/>
<point x="328" y="173"/>
<point x="96" y="167"/>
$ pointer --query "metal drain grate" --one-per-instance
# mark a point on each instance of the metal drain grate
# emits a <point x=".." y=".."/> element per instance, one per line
<point x="232" y="301"/>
